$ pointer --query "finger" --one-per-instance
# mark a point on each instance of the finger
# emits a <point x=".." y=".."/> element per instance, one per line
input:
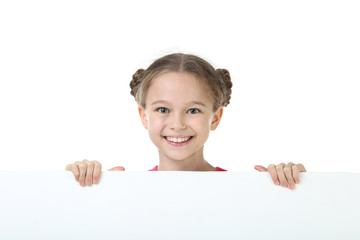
<point x="301" y="167"/>
<point x="260" y="168"/>
<point x="295" y="171"/>
<point x="281" y="175"/>
<point x="75" y="171"/>
<point x="273" y="174"/>
<point x="288" y="174"/>
<point x="82" y="168"/>
<point x="117" y="169"/>
<point x="97" y="172"/>
<point x="68" y="167"/>
<point x="290" y="164"/>
<point x="89" y="173"/>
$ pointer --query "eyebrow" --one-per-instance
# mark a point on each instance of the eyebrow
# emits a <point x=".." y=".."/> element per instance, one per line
<point x="192" y="102"/>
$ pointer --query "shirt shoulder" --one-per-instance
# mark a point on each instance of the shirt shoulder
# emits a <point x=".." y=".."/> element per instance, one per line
<point x="218" y="169"/>
<point x="154" y="169"/>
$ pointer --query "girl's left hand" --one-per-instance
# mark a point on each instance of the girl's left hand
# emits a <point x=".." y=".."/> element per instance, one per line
<point x="286" y="175"/>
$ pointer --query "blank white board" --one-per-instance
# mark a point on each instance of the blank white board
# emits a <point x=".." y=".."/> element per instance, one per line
<point x="178" y="205"/>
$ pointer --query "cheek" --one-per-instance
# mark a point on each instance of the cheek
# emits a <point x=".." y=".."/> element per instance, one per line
<point x="201" y="126"/>
<point x="155" y="125"/>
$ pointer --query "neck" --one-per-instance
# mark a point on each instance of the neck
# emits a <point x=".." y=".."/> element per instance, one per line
<point x="195" y="162"/>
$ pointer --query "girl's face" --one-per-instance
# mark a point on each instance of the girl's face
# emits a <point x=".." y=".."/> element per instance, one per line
<point x="178" y="116"/>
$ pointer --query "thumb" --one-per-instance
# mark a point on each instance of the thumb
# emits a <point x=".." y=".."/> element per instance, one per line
<point x="260" y="168"/>
<point x="117" y="169"/>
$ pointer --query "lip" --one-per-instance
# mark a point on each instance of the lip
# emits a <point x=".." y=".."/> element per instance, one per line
<point x="179" y="144"/>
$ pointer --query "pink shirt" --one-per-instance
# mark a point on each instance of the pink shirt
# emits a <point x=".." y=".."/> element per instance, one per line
<point x="217" y="169"/>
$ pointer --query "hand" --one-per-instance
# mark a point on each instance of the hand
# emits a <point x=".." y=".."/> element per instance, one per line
<point x="85" y="172"/>
<point x="88" y="172"/>
<point x="286" y="175"/>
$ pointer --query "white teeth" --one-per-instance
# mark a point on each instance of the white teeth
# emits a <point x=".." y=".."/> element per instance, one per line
<point x="177" y="140"/>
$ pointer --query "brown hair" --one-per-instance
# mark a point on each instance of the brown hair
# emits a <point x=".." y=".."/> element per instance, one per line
<point x="217" y="82"/>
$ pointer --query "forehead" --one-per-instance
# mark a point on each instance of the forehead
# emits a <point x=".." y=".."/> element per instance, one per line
<point x="177" y="87"/>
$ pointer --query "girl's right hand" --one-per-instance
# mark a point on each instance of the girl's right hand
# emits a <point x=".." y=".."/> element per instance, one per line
<point x="88" y="172"/>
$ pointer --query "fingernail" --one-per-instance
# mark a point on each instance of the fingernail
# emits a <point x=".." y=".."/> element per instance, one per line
<point x="88" y="182"/>
<point x="94" y="181"/>
<point x="291" y="185"/>
<point x="277" y="183"/>
<point x="284" y="185"/>
<point x="82" y="183"/>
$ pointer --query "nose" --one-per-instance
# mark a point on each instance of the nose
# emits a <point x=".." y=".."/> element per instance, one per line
<point x="177" y="122"/>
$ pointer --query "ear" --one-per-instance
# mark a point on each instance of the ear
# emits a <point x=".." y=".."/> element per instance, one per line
<point x="143" y="117"/>
<point x="216" y="118"/>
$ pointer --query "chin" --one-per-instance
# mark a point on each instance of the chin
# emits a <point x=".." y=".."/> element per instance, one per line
<point x="176" y="157"/>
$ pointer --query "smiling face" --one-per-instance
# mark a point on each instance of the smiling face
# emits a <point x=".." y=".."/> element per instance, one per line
<point x="179" y="118"/>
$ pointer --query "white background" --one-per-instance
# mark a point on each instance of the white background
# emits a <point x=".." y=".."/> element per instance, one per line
<point x="65" y="68"/>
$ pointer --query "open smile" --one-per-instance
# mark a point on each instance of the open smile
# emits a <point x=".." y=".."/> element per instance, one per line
<point x="178" y="141"/>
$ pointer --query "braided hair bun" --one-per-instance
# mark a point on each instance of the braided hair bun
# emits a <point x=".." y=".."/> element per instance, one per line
<point x="224" y="77"/>
<point x="136" y="81"/>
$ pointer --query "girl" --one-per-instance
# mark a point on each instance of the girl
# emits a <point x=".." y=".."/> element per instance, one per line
<point x="181" y="98"/>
